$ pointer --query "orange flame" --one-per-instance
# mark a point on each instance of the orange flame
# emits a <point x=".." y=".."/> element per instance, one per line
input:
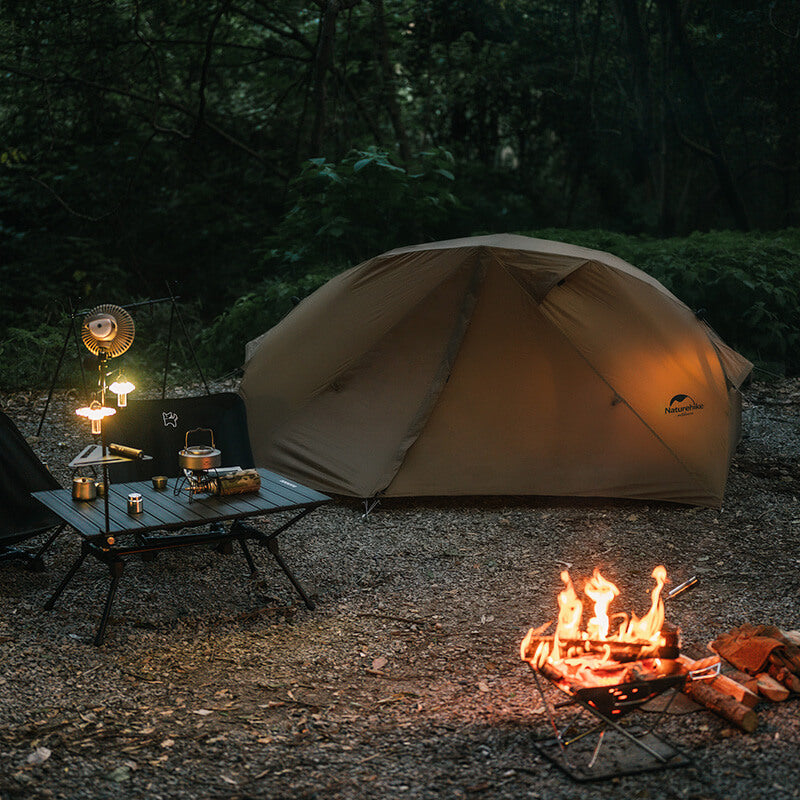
<point x="602" y="592"/>
<point x="649" y="626"/>
<point x="570" y="611"/>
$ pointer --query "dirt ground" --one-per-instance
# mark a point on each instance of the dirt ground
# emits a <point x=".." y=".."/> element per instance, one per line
<point x="406" y="681"/>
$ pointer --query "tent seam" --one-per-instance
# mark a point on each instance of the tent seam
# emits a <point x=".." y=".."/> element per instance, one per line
<point x="616" y="393"/>
<point x="428" y="403"/>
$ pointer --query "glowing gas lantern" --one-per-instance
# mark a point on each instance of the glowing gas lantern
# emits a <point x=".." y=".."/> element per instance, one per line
<point x="95" y="413"/>
<point x="122" y="388"/>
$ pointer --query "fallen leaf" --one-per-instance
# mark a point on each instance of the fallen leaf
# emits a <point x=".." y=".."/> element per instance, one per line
<point x="39" y="755"/>
<point x="379" y="663"/>
<point x="203" y="712"/>
<point x="483" y="687"/>
<point x="168" y="743"/>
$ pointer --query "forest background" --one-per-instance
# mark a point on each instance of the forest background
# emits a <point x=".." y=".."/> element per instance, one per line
<point x="239" y="153"/>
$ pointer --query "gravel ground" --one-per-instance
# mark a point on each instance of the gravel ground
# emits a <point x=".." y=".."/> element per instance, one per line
<point x="405" y="682"/>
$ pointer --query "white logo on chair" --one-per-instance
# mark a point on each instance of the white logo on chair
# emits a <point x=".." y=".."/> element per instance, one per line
<point x="169" y="418"/>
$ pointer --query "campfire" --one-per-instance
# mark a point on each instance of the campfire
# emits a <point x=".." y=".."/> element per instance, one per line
<point x="613" y="648"/>
<point x="608" y="668"/>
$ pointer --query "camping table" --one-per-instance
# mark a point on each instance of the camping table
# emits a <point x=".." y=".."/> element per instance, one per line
<point x="163" y="511"/>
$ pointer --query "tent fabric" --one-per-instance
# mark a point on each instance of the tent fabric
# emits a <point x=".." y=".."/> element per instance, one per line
<point x="21" y="472"/>
<point x="500" y="365"/>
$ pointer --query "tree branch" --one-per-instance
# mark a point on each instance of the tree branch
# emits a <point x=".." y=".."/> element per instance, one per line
<point x="173" y="104"/>
<point x="292" y="33"/>
<point x="63" y="203"/>
<point x="201" y="89"/>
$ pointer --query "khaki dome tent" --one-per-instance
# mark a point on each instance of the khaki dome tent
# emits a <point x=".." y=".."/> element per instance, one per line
<point x="496" y="365"/>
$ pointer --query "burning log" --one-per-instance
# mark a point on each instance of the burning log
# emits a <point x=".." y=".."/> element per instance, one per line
<point x="611" y="649"/>
<point x="575" y="674"/>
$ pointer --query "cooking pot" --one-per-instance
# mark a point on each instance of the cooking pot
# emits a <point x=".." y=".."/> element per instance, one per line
<point x="199" y="457"/>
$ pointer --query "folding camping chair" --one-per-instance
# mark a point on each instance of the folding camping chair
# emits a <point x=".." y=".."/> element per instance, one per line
<point x="159" y="427"/>
<point x="22" y="517"/>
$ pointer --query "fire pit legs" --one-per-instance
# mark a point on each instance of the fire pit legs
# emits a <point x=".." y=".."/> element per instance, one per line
<point x="616" y="751"/>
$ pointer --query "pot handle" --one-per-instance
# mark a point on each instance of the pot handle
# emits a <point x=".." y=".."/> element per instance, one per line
<point x="196" y="430"/>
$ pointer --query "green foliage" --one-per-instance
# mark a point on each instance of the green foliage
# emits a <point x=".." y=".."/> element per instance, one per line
<point x="344" y="212"/>
<point x="28" y="356"/>
<point x="222" y="344"/>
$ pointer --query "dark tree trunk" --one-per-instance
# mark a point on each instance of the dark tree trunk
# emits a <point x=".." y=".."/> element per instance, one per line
<point x="387" y="80"/>
<point x="714" y="150"/>
<point x="323" y="64"/>
<point x="627" y="12"/>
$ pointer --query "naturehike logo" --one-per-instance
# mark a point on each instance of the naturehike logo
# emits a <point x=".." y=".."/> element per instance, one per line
<point x="683" y="404"/>
<point x="169" y="418"/>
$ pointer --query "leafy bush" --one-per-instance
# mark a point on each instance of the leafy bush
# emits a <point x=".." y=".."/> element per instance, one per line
<point x="28" y="356"/>
<point x="345" y="212"/>
<point x="222" y="344"/>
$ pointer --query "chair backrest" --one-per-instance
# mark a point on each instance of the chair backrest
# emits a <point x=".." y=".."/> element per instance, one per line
<point x="21" y="472"/>
<point x="159" y="428"/>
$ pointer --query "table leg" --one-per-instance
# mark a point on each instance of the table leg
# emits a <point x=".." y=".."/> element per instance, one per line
<point x="46" y="546"/>
<point x="270" y="541"/>
<point x="116" y="568"/>
<point x="67" y="578"/>
<point x="246" y="551"/>
<point x="272" y="546"/>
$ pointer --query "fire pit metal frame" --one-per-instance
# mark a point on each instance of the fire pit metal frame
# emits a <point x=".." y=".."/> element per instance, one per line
<point x="645" y="751"/>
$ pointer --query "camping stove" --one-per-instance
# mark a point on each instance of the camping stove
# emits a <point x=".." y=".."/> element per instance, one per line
<point x="202" y="473"/>
<point x="606" y="676"/>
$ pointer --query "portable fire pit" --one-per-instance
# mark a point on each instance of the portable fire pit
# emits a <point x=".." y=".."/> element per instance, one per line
<point x="607" y="676"/>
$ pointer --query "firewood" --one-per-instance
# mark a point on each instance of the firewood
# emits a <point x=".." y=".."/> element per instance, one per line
<point x="782" y="657"/>
<point x="785" y="677"/>
<point x="722" y="704"/>
<point x="703" y="663"/>
<point x="748" y="681"/>
<point x="770" y="688"/>
<point x="736" y="689"/>
<point x="793" y="637"/>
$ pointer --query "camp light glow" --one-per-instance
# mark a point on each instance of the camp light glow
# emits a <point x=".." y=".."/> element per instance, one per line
<point x="122" y="388"/>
